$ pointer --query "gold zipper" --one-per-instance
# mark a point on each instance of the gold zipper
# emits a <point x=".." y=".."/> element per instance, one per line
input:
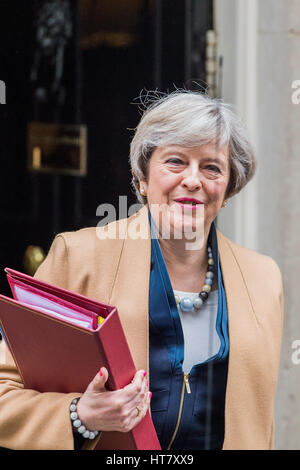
<point x="186" y="379"/>
<point x="185" y="384"/>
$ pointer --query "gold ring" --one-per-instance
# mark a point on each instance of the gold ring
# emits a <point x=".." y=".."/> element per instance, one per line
<point x="138" y="410"/>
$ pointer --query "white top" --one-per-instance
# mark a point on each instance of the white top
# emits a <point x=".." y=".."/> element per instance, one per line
<point x="201" y="340"/>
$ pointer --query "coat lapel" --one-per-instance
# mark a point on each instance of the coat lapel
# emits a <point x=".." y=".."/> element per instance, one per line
<point x="130" y="291"/>
<point x="243" y="330"/>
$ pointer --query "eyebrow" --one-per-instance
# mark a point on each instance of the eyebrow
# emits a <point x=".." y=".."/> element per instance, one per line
<point x="171" y="152"/>
<point x="214" y="159"/>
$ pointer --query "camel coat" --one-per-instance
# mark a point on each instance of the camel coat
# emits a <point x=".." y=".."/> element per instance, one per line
<point x="115" y="268"/>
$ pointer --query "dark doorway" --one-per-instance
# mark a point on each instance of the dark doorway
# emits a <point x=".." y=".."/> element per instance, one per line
<point x="83" y="63"/>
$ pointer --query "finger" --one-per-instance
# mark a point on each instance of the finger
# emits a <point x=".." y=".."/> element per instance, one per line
<point x="141" y="409"/>
<point x="134" y="393"/>
<point x="146" y="403"/>
<point x="140" y="398"/>
<point x="136" y="383"/>
<point x="98" y="382"/>
<point x="141" y="389"/>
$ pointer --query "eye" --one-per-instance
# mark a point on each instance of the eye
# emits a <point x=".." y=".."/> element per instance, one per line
<point x="213" y="168"/>
<point x="174" y="160"/>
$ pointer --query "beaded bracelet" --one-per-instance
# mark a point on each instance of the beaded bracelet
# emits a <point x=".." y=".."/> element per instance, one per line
<point x="78" y="424"/>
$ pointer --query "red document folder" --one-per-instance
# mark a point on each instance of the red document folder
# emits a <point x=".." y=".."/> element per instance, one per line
<point x="54" y="355"/>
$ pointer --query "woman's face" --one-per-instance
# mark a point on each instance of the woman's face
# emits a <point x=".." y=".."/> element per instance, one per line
<point x="189" y="183"/>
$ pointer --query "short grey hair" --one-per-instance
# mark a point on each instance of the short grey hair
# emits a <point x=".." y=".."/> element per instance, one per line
<point x="191" y="119"/>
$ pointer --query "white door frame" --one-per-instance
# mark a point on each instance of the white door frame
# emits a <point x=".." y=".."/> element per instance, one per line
<point x="236" y="24"/>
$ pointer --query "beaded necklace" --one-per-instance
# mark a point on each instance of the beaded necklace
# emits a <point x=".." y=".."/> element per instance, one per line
<point x="186" y="303"/>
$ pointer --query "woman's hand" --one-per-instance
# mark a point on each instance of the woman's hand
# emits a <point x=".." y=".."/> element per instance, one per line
<point x="101" y="410"/>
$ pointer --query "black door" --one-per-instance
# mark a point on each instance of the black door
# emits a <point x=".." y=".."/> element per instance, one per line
<point x="83" y="63"/>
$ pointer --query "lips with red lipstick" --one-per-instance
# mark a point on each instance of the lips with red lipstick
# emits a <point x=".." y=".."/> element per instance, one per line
<point x="188" y="202"/>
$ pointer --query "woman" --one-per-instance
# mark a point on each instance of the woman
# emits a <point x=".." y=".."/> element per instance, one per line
<point x="202" y="315"/>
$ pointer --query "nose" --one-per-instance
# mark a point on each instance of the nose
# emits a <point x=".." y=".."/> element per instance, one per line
<point x="192" y="179"/>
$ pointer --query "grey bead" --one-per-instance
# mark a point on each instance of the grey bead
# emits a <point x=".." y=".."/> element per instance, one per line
<point x="198" y="303"/>
<point x="73" y="415"/>
<point x="209" y="281"/>
<point x="77" y="423"/>
<point x="209" y="275"/>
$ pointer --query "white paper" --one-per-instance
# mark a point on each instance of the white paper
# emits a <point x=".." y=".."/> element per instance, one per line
<point x="45" y="305"/>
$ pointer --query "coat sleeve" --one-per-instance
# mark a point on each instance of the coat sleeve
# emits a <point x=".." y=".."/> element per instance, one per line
<point x="281" y="301"/>
<point x="30" y="419"/>
<point x="54" y="268"/>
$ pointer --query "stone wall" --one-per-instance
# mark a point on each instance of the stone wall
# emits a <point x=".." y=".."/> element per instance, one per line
<point x="272" y="205"/>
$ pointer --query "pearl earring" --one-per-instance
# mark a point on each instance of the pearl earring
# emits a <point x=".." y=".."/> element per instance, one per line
<point x="143" y="192"/>
<point x="224" y="204"/>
